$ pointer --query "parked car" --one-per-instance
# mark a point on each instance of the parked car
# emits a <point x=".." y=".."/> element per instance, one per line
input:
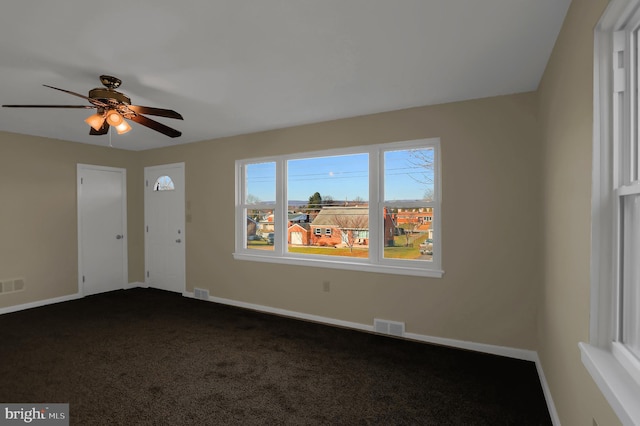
<point x="254" y="237"/>
<point x="270" y="238"/>
<point x="426" y="247"/>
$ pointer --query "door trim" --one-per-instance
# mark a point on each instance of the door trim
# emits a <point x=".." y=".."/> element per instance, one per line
<point x="125" y="261"/>
<point x="181" y="166"/>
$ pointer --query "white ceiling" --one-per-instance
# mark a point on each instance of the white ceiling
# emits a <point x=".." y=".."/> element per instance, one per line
<point x="239" y="66"/>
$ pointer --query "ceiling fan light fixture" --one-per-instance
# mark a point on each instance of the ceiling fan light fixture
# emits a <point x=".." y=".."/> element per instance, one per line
<point x="123" y="127"/>
<point x="114" y="118"/>
<point x="96" y="121"/>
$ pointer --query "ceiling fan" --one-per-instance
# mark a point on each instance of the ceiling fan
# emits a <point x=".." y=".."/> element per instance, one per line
<point x="113" y="108"/>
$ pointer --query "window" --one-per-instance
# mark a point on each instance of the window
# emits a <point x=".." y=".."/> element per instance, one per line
<point x="258" y="204"/>
<point x="612" y="355"/>
<point x="370" y="208"/>
<point x="164" y="183"/>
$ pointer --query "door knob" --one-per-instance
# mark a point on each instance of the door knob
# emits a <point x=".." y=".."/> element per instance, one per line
<point x="178" y="240"/>
<point x="119" y="237"/>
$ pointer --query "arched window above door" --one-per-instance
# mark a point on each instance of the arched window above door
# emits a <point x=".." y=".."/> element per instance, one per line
<point x="164" y="183"/>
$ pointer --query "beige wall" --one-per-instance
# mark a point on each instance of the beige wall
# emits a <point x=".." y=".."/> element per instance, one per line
<point x="491" y="205"/>
<point x="38" y="213"/>
<point x="566" y="117"/>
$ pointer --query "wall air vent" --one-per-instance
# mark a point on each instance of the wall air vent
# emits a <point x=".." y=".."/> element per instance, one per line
<point x="200" y="293"/>
<point x="392" y="328"/>
<point x="11" y="286"/>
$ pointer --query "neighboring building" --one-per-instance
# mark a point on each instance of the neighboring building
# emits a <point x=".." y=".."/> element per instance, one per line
<point x="252" y="227"/>
<point x="266" y="225"/>
<point x="417" y="217"/>
<point x="418" y="220"/>
<point x="334" y="226"/>
<point x="299" y="234"/>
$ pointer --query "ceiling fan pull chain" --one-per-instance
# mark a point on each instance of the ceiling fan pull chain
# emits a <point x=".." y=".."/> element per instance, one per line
<point x="110" y="131"/>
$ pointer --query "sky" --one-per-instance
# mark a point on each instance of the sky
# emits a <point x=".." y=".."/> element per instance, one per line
<point x="345" y="177"/>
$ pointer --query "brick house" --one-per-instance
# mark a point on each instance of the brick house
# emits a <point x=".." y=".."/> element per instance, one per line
<point x="299" y="234"/>
<point x="334" y="225"/>
<point x="414" y="220"/>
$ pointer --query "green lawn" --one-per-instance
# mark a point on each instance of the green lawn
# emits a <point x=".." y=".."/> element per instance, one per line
<point x="399" y="251"/>
<point x="357" y="252"/>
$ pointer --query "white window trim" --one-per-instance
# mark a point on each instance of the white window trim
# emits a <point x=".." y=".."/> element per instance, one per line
<point x="602" y="357"/>
<point x="376" y="261"/>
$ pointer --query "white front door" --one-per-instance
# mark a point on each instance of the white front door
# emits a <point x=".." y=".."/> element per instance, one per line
<point x="102" y="222"/>
<point x="164" y="210"/>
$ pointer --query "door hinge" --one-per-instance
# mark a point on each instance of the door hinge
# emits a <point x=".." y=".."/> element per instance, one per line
<point x="146" y="183"/>
<point x="147" y="274"/>
<point x="147" y="228"/>
<point x="81" y="181"/>
<point x="83" y="278"/>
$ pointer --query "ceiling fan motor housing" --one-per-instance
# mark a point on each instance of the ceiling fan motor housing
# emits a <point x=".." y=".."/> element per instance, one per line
<point x="103" y="94"/>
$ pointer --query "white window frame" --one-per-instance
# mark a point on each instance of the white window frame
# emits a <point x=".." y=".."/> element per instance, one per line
<point x="615" y="370"/>
<point x="376" y="261"/>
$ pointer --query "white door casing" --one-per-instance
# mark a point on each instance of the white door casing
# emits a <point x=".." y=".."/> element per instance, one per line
<point x="102" y="224"/>
<point x="164" y="212"/>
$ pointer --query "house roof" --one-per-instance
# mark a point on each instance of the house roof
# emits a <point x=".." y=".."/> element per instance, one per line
<point x="329" y="216"/>
<point x="305" y="226"/>
<point x="232" y="67"/>
<point x="297" y="217"/>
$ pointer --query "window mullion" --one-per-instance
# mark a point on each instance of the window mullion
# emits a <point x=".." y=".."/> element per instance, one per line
<point x="376" y="198"/>
<point x="280" y="214"/>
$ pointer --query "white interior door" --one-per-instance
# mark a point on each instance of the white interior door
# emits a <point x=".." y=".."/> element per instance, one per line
<point x="102" y="222"/>
<point x="164" y="210"/>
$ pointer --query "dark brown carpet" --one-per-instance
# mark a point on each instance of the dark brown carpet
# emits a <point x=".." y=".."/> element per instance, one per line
<point x="148" y="357"/>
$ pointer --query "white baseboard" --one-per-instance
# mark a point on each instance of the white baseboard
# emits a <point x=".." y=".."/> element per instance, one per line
<point x="521" y="354"/>
<point x="39" y="303"/>
<point x="555" y="419"/>
<point x="136" y="284"/>
<point x="45" y="302"/>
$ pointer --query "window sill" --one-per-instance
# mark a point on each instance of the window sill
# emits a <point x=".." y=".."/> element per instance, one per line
<point x="353" y="266"/>
<point x="618" y="387"/>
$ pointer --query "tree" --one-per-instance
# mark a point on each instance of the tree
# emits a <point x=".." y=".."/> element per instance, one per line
<point x="409" y="228"/>
<point x="328" y="201"/>
<point x="253" y="199"/>
<point x="422" y="161"/>
<point x="349" y="225"/>
<point x="358" y="201"/>
<point x="315" y="202"/>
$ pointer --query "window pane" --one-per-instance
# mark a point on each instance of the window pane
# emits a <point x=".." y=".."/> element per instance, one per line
<point x="260" y="229"/>
<point x="328" y="205"/>
<point x="164" y="183"/>
<point x="408" y="233"/>
<point x="631" y="274"/>
<point x="260" y="181"/>
<point x="409" y="175"/>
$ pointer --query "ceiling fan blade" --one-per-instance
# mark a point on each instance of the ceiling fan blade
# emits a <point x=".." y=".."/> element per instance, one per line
<point x="50" y="106"/>
<point x="102" y="131"/>
<point x="155" y="111"/>
<point x="92" y="100"/>
<point x="158" y="127"/>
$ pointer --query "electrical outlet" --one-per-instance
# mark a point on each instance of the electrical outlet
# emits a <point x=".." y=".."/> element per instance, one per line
<point x="326" y="286"/>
